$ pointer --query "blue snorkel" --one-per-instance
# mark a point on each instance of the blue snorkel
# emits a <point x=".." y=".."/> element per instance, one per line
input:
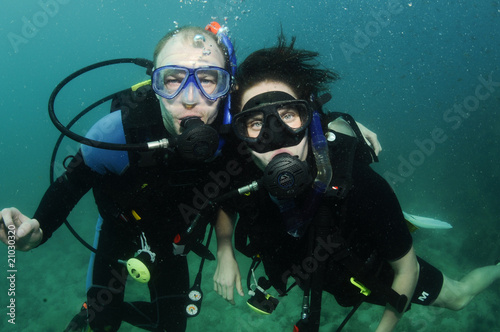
<point x="298" y="218"/>
<point x="222" y="35"/>
<point x="320" y="151"/>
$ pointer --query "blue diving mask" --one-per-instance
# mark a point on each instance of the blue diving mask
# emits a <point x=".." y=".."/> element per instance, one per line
<point x="272" y="120"/>
<point x="213" y="82"/>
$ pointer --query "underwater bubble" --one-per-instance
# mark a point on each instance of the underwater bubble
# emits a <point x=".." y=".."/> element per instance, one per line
<point x="199" y="38"/>
<point x="199" y="41"/>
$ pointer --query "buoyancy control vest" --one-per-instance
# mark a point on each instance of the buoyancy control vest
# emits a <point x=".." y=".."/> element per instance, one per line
<point x="267" y="241"/>
<point x="155" y="192"/>
<point x="256" y="238"/>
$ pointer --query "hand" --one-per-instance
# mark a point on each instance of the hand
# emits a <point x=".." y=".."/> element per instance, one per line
<point x="27" y="232"/>
<point x="227" y="276"/>
<point x="370" y="138"/>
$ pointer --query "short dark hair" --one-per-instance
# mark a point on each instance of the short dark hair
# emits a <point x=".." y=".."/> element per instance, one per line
<point x="283" y="63"/>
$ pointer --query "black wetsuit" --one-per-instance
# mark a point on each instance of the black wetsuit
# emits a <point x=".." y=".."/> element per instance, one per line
<point x="138" y="196"/>
<point x="366" y="231"/>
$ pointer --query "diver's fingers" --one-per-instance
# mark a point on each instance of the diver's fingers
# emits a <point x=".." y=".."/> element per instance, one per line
<point x="6" y="217"/>
<point x="4" y="230"/>
<point x="239" y="286"/>
<point x="12" y="218"/>
<point x="219" y="289"/>
<point x="216" y="287"/>
<point x="17" y="227"/>
<point x="377" y="146"/>
<point x="370" y="138"/>
<point x="27" y="228"/>
<point x="230" y="294"/>
<point x="16" y="216"/>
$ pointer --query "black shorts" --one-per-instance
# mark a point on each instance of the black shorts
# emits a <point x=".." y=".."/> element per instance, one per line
<point x="430" y="282"/>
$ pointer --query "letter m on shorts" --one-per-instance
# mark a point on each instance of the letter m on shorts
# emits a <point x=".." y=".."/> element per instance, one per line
<point x="423" y="297"/>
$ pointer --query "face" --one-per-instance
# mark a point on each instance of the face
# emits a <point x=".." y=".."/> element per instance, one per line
<point x="189" y="102"/>
<point x="300" y="150"/>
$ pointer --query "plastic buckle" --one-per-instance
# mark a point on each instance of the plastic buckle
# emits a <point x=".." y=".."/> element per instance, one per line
<point x="362" y="288"/>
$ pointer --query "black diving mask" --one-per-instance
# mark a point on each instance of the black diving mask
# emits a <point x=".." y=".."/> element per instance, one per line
<point x="272" y="120"/>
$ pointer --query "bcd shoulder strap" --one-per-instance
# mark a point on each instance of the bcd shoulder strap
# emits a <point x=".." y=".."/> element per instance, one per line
<point x="345" y="151"/>
<point x="141" y="113"/>
<point x="141" y="118"/>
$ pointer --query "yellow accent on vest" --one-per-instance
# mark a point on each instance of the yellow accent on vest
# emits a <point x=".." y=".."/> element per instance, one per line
<point x="138" y="85"/>
<point x="136" y="216"/>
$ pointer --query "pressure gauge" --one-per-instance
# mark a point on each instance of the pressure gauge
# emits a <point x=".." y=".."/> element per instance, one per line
<point x="192" y="309"/>
<point x="195" y="295"/>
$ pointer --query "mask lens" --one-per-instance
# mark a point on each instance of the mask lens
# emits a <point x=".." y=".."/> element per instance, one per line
<point x="169" y="81"/>
<point x="292" y="115"/>
<point x="213" y="82"/>
<point x="249" y="124"/>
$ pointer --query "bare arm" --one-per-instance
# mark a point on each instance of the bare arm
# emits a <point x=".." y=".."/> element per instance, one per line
<point x="406" y="272"/>
<point x="227" y="275"/>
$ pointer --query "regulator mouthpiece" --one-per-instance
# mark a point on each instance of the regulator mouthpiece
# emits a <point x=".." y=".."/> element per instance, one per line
<point x="286" y="176"/>
<point x="198" y="141"/>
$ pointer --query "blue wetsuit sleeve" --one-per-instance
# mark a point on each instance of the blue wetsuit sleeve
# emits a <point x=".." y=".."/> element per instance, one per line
<point x="108" y="129"/>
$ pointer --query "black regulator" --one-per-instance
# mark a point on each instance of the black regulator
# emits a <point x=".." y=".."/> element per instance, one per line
<point x="198" y="141"/>
<point x="286" y="176"/>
